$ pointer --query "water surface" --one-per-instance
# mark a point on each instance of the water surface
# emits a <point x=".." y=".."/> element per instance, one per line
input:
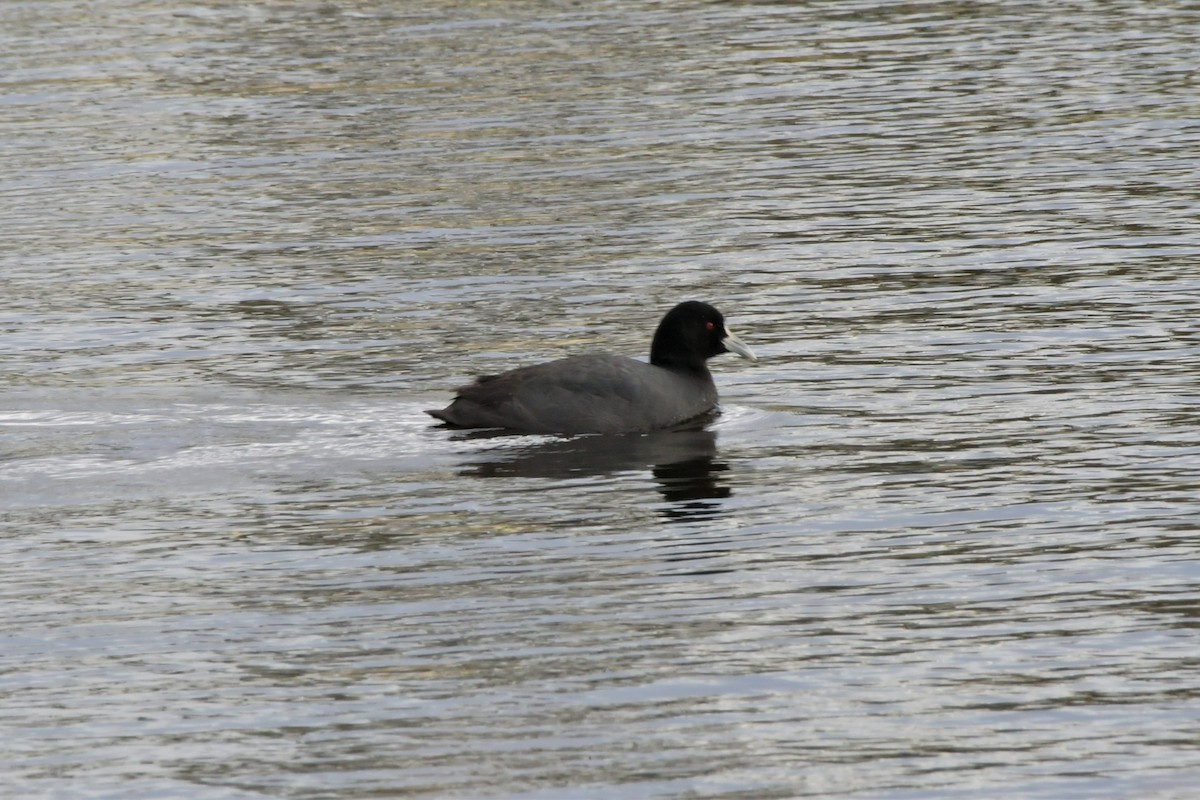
<point x="940" y="542"/>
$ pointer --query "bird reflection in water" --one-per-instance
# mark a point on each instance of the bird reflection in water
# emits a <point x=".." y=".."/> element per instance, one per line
<point x="683" y="463"/>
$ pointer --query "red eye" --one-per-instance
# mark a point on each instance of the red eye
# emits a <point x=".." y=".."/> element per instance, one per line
<point x="709" y="325"/>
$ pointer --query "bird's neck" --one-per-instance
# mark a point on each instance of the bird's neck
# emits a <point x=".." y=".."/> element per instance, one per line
<point x="689" y="366"/>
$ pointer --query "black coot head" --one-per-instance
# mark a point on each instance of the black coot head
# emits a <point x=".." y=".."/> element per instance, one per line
<point x="691" y="333"/>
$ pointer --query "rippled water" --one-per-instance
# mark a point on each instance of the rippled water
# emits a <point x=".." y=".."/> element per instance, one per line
<point x="941" y="542"/>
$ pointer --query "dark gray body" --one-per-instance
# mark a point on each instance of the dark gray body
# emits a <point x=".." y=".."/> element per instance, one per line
<point x="583" y="394"/>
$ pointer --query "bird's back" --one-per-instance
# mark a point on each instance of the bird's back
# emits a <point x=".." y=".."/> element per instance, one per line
<point x="582" y="394"/>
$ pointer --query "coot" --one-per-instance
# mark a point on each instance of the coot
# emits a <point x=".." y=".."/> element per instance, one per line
<point x="601" y="393"/>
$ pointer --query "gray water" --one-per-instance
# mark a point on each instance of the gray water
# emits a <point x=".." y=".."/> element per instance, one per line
<point x="941" y="542"/>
